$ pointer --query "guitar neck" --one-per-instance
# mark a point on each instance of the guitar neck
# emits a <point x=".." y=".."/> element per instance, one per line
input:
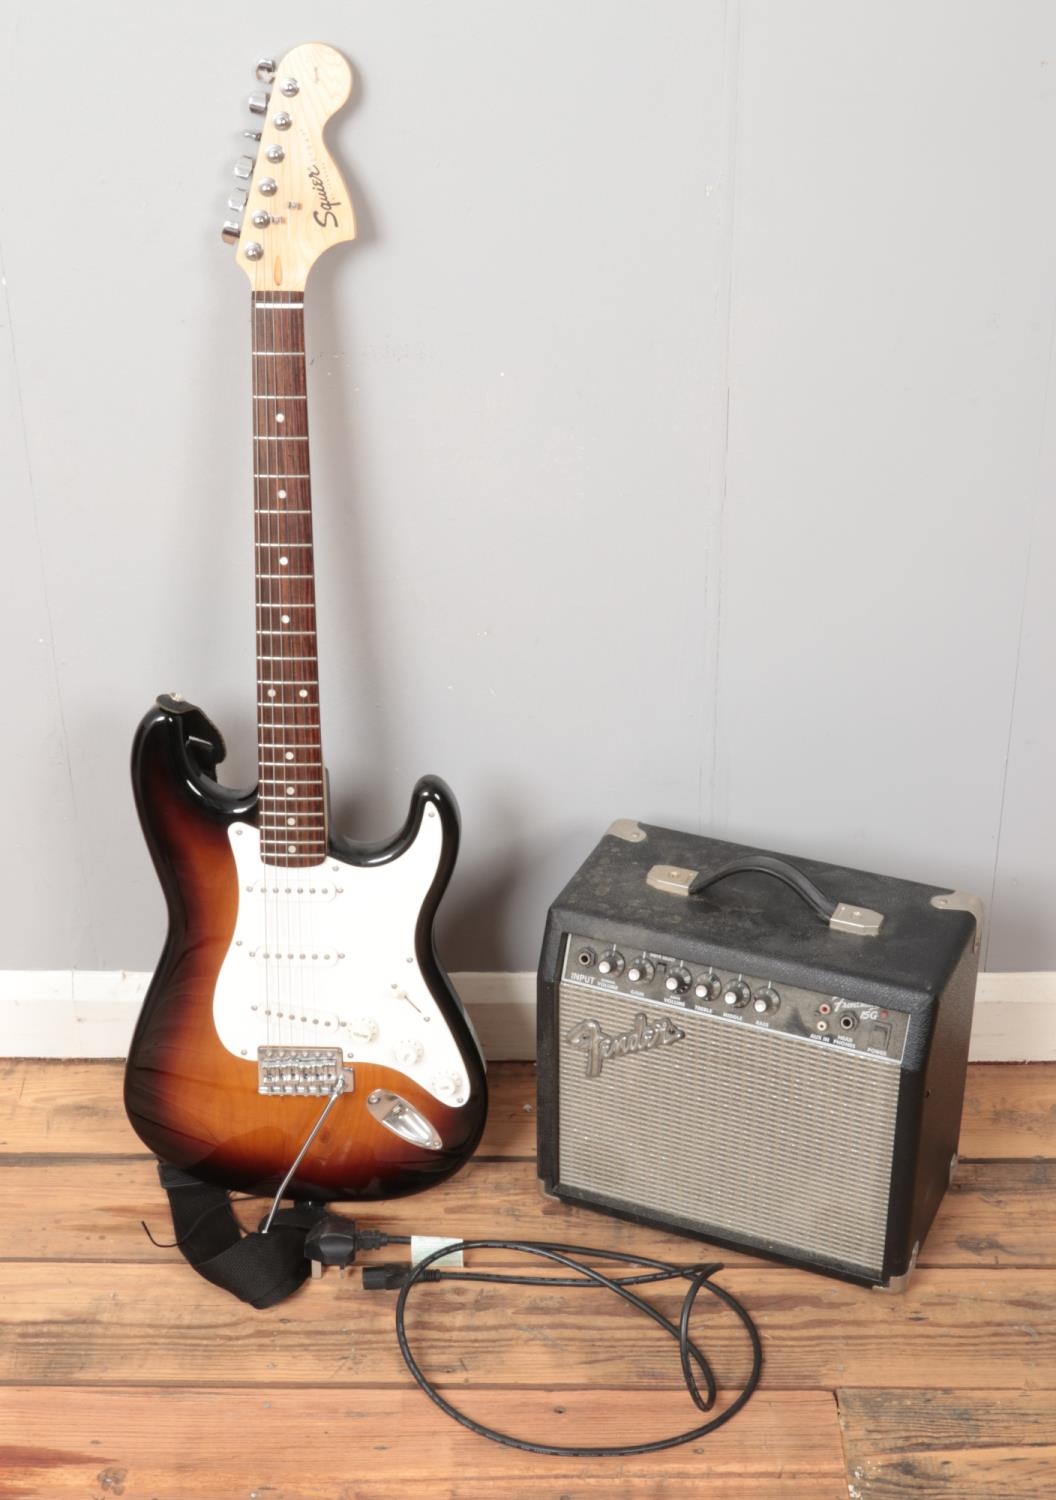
<point x="292" y="805"/>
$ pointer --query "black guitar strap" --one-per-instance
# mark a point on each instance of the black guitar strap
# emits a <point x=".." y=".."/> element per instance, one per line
<point x="261" y="1269"/>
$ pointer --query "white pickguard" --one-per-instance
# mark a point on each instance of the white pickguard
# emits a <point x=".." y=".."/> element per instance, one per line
<point x="325" y="957"/>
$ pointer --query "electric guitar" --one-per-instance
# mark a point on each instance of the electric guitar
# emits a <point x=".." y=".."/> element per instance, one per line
<point x="299" y="1031"/>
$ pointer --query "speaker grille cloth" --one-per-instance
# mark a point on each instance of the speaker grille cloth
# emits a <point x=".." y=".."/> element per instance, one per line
<point x="734" y="1128"/>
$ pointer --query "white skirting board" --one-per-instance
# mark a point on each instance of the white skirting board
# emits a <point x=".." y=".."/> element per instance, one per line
<point x="91" y="1013"/>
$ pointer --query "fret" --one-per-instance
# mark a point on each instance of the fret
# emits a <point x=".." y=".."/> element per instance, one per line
<point x="280" y="398"/>
<point x="282" y="476"/>
<point x="280" y="437"/>
<point x="265" y="510"/>
<point x="281" y="306"/>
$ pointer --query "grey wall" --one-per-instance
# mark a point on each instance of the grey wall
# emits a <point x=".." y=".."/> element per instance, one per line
<point x="683" y="439"/>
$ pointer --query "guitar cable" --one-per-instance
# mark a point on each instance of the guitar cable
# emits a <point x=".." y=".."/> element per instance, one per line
<point x="406" y="1278"/>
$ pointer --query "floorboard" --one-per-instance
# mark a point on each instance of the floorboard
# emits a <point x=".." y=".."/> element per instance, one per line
<point x="125" y="1375"/>
<point x="787" y="1442"/>
<point x="960" y="1444"/>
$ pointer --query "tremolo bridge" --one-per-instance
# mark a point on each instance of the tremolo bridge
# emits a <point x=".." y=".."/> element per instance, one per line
<point x="309" y="1072"/>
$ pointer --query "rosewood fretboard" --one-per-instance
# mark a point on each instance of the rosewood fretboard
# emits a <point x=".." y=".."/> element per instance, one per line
<point x="292" y="807"/>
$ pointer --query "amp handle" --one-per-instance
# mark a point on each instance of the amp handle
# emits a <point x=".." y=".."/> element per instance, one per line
<point x="841" y="916"/>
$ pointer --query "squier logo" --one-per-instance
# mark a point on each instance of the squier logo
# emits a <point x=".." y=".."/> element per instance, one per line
<point x="324" y="214"/>
<point x="642" y="1037"/>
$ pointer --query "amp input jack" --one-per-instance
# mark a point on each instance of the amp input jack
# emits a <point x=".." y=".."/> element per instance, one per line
<point x="585" y="958"/>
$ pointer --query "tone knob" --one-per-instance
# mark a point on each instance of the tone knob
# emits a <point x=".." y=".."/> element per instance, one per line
<point x="641" y="971"/>
<point x="707" y="986"/>
<point x="408" y="1051"/>
<point x="738" y="993"/>
<point x="258" y="104"/>
<point x="610" y="962"/>
<point x="766" y="1000"/>
<point x="678" y="981"/>
<point x="448" y="1084"/>
<point x="364" y="1028"/>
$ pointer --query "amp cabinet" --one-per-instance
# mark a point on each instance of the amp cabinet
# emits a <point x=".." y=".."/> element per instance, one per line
<point x="765" y="1052"/>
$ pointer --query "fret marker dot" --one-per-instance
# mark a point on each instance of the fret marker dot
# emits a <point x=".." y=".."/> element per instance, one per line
<point x="291" y="848"/>
<point x="271" y="692"/>
<point x="279" y="417"/>
<point x="290" y="791"/>
<point x="285" y="619"/>
<point x="283" y="562"/>
<point x="289" y="754"/>
<point x="291" y="822"/>
<point x="303" y="693"/>
<point x="282" y="494"/>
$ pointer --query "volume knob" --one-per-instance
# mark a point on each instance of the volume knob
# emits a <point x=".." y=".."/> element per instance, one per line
<point x="678" y="981"/>
<point x="610" y="962"/>
<point x="407" y="1052"/>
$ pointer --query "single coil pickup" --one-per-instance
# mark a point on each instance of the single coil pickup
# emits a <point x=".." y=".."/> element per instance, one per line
<point x="289" y="893"/>
<point x="289" y="958"/>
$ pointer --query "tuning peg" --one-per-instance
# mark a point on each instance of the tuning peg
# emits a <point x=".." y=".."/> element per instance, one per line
<point x="258" y="103"/>
<point x="230" y="232"/>
<point x="237" y="200"/>
<point x="266" y="69"/>
<point x="244" y="168"/>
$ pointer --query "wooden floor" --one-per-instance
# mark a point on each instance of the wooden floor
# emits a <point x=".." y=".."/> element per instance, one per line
<point x="125" y="1375"/>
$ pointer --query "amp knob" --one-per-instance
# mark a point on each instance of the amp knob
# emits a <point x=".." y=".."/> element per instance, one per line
<point x="737" y="994"/>
<point x="707" y="986"/>
<point x="678" y="981"/>
<point x="407" y="1052"/>
<point x="610" y="962"/>
<point x="640" y="971"/>
<point x="766" y="1000"/>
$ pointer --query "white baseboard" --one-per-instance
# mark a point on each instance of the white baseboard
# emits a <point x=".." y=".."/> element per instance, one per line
<point x="88" y="1013"/>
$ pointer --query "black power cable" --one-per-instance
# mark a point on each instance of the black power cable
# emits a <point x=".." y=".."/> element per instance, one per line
<point x="699" y="1278"/>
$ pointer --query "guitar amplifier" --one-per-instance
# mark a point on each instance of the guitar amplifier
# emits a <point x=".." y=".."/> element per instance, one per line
<point x="767" y="1053"/>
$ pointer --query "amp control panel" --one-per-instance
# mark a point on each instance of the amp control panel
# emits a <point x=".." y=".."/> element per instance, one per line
<point x="736" y="998"/>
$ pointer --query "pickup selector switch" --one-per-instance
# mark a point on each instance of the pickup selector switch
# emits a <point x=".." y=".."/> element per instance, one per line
<point x="737" y="994"/>
<point x="640" y="971"/>
<point x="707" y="986"/>
<point x="610" y="962"/>
<point x="678" y="981"/>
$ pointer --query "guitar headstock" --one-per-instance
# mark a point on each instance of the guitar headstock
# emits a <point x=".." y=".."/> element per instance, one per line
<point x="294" y="202"/>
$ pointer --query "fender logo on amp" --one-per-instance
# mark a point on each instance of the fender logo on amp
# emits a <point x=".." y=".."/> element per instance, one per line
<point x="642" y="1037"/>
